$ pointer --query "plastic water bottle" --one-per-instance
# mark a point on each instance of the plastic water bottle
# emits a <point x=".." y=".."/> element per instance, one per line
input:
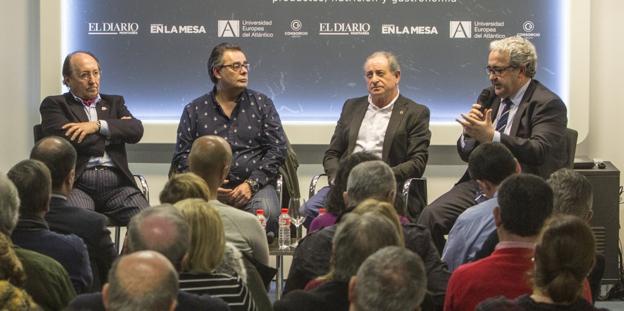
<point x="284" y="229"/>
<point x="261" y="218"/>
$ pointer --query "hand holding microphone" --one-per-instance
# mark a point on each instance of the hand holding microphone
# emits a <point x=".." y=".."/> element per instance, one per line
<point x="477" y="123"/>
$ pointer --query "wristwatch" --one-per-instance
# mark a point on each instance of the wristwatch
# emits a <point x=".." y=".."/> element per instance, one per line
<point x="253" y="184"/>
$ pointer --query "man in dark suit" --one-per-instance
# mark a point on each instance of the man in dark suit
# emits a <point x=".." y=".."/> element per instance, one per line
<point x="517" y="111"/>
<point x="98" y="126"/>
<point x="60" y="158"/>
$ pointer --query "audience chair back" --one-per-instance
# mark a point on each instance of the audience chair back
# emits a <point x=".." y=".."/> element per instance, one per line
<point x="571" y="139"/>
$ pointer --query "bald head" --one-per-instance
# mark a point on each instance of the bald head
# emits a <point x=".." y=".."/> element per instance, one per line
<point x="210" y="158"/>
<point x="142" y="280"/>
<point x="58" y="155"/>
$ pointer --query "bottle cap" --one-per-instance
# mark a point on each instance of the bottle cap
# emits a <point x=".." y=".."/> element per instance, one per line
<point x="321" y="210"/>
<point x="259" y="211"/>
<point x="284" y="211"/>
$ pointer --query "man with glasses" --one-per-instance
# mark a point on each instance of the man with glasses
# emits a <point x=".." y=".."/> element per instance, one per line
<point x="249" y="122"/>
<point x="517" y="111"/>
<point x="98" y="126"/>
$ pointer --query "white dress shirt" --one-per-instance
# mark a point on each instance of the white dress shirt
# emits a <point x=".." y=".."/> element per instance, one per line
<point x="373" y="129"/>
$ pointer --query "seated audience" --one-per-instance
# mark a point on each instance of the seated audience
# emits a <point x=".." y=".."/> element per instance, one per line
<point x="391" y="279"/>
<point x="13" y="298"/>
<point x="60" y="158"/>
<point x="357" y="237"/>
<point x="564" y="255"/>
<point x="45" y="279"/>
<point x="11" y="268"/>
<point x="489" y="164"/>
<point x="143" y="280"/>
<point x="33" y="182"/>
<point x="206" y="254"/>
<point x="161" y="229"/>
<point x="372" y="179"/>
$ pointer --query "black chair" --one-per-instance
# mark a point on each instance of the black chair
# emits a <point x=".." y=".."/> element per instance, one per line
<point x="571" y="137"/>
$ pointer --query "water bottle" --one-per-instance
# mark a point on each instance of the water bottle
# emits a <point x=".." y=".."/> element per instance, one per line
<point x="284" y="229"/>
<point x="261" y="218"/>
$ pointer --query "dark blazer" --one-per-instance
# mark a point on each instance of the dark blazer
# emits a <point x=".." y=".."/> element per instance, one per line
<point x="91" y="228"/>
<point x="537" y="136"/>
<point x="405" y="143"/>
<point x="333" y="295"/>
<point x="186" y="302"/>
<point x="59" y="110"/>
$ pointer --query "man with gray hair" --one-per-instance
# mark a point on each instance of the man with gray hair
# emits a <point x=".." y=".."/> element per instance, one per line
<point x="517" y="111"/>
<point x="143" y="280"/>
<point x="370" y="180"/>
<point x="357" y="237"/>
<point x="46" y="280"/>
<point x="391" y="279"/>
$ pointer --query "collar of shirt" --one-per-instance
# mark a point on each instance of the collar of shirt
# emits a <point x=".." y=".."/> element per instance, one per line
<point x="58" y="196"/>
<point x="514" y="244"/>
<point x="82" y="101"/>
<point x="373" y="107"/>
<point x="241" y="98"/>
<point x="32" y="223"/>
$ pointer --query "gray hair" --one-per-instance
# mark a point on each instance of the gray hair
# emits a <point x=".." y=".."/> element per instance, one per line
<point x="521" y="53"/>
<point x="392" y="279"/>
<point x="572" y="193"/>
<point x="392" y="60"/>
<point x="371" y="180"/>
<point x="161" y="229"/>
<point x="9" y="205"/>
<point x="356" y="238"/>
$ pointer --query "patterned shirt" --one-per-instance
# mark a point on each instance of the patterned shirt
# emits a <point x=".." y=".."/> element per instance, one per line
<point x="254" y="131"/>
<point x="231" y="289"/>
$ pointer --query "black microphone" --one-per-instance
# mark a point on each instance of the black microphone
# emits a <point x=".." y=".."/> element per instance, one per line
<point x="486" y="98"/>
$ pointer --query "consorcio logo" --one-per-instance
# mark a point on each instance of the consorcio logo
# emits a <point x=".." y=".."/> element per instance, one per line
<point x="108" y="28"/>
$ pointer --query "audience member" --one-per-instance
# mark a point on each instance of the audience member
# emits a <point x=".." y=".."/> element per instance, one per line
<point x="60" y="158"/>
<point x="33" y="182"/>
<point x="489" y="164"/>
<point x="184" y="186"/>
<point x="357" y="237"/>
<point x="99" y="126"/>
<point x="13" y="298"/>
<point x="205" y="254"/>
<point x="391" y="279"/>
<point x="525" y="201"/>
<point x="564" y="254"/>
<point x="144" y="280"/>
<point x="11" y="268"/>
<point x="161" y="229"/>
<point x="46" y="280"/>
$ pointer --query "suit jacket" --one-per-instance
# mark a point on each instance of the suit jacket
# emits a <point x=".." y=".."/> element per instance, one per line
<point x="537" y="136"/>
<point x="186" y="302"/>
<point x="405" y="143"/>
<point x="59" y="110"/>
<point x="333" y="295"/>
<point x="91" y="228"/>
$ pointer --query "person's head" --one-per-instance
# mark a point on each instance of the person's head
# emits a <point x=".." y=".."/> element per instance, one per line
<point x="34" y="184"/>
<point x="144" y="280"/>
<point x="228" y="67"/>
<point x="572" y="193"/>
<point x="564" y="255"/>
<point x="356" y="238"/>
<point x="11" y="268"/>
<point x="335" y="201"/>
<point x="161" y="229"/>
<point x="60" y="158"/>
<point x="382" y="73"/>
<point x="81" y="74"/>
<point x="207" y="235"/>
<point x="524" y="203"/>
<point x="383" y="209"/>
<point x="391" y="279"/>
<point x="370" y="180"/>
<point x="9" y="205"/>
<point x="489" y="164"/>
<point x="16" y="299"/>
<point x="184" y="186"/>
<point x="511" y="62"/>
<point x="210" y="158"/>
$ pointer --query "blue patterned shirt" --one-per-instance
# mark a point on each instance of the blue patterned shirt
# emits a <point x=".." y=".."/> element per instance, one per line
<point x="254" y="131"/>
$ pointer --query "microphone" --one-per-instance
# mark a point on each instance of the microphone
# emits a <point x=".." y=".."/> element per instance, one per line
<point x="486" y="98"/>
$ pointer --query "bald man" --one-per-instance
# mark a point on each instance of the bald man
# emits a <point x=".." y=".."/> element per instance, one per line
<point x="144" y="280"/>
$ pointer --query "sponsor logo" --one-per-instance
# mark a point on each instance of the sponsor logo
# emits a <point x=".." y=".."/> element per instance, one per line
<point x="529" y="27"/>
<point x="391" y="29"/>
<point x="174" y="29"/>
<point x="344" y="29"/>
<point x="460" y="29"/>
<point x="113" y="28"/>
<point x="295" y="27"/>
<point x="244" y="28"/>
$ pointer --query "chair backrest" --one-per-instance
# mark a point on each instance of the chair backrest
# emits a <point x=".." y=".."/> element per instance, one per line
<point x="571" y="139"/>
<point x="37" y="132"/>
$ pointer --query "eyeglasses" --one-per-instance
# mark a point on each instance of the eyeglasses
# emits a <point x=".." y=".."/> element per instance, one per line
<point x="497" y="71"/>
<point x="237" y="66"/>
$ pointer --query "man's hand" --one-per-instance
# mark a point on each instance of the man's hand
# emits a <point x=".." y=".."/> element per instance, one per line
<point x="78" y="131"/>
<point x="477" y="125"/>
<point x="241" y="195"/>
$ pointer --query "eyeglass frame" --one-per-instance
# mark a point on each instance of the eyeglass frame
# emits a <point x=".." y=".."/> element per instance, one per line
<point x="237" y="66"/>
<point x="497" y="71"/>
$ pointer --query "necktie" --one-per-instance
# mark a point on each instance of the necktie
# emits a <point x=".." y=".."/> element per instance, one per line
<point x="88" y="102"/>
<point x="501" y="124"/>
